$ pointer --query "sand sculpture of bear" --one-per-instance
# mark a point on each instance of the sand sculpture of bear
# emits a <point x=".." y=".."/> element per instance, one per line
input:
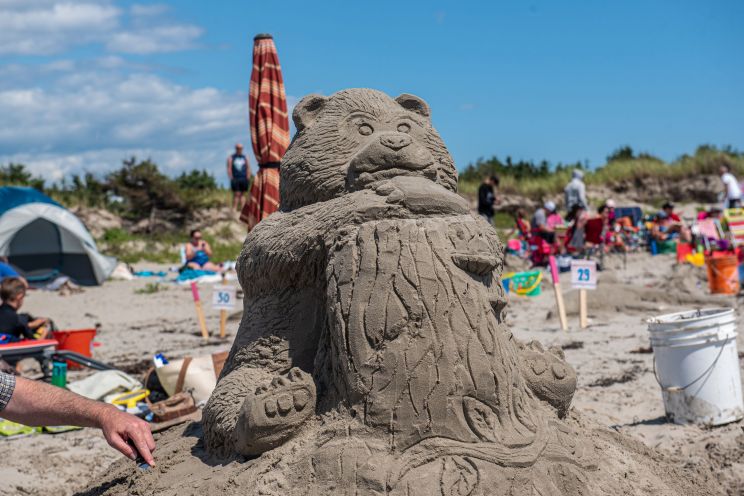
<point x="376" y="292"/>
<point x="372" y="358"/>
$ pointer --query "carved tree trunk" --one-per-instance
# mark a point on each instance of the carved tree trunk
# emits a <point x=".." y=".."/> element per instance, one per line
<point x="420" y="350"/>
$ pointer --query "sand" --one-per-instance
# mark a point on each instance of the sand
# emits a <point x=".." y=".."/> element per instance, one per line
<point x="133" y="328"/>
<point x="377" y="356"/>
<point x="616" y="386"/>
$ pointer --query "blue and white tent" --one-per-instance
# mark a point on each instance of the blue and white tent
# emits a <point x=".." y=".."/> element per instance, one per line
<point x="43" y="239"/>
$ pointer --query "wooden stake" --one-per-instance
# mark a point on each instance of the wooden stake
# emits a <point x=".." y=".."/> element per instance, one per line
<point x="199" y="311"/>
<point x="583" y="319"/>
<point x="561" y="306"/>
<point x="223" y="314"/>
<point x="558" y="295"/>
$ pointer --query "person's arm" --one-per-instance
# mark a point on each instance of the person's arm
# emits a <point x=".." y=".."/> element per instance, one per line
<point x="189" y="251"/>
<point x="37" y="404"/>
<point x="207" y="249"/>
<point x="229" y="168"/>
<point x="36" y="323"/>
<point x="247" y="167"/>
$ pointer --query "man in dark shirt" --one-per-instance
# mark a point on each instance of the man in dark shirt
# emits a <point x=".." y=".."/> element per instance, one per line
<point x="239" y="172"/>
<point x="15" y="327"/>
<point x="487" y="197"/>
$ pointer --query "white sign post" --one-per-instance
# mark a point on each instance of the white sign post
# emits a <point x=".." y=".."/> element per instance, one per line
<point x="223" y="299"/>
<point x="583" y="277"/>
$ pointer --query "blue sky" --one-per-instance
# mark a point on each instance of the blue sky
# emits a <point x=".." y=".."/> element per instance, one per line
<point x="85" y="83"/>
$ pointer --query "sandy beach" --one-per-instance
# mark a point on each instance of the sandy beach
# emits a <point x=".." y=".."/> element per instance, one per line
<point x="617" y="387"/>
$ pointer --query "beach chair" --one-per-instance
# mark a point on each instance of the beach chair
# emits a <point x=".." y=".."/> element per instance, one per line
<point x="634" y="213"/>
<point x="709" y="232"/>
<point x="594" y="231"/>
<point x="594" y="236"/>
<point x="45" y="351"/>
<point x="734" y="219"/>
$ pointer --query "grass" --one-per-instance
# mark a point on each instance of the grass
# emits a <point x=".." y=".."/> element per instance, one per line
<point x="150" y="288"/>
<point x="159" y="248"/>
<point x="705" y="161"/>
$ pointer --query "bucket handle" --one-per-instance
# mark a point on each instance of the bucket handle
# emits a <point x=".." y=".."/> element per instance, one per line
<point x="705" y="372"/>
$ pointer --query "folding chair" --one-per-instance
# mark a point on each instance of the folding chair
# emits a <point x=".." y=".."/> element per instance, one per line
<point x="734" y="218"/>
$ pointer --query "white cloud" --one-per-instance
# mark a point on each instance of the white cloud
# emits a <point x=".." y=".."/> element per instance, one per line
<point x="71" y="115"/>
<point x="92" y="120"/>
<point x="159" y="39"/>
<point x="41" y="28"/>
<point x="44" y="27"/>
<point x="139" y="10"/>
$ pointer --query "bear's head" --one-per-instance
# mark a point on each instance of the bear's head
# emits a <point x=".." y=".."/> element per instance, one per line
<point x="357" y="138"/>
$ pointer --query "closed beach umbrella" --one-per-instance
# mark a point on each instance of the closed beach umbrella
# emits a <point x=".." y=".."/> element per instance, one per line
<point x="269" y="130"/>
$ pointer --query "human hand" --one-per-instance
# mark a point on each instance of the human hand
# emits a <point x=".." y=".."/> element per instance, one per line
<point x="119" y="427"/>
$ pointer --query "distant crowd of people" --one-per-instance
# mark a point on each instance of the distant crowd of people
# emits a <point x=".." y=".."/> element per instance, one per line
<point x="546" y="231"/>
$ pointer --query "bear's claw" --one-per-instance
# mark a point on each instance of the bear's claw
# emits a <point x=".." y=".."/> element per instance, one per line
<point x="274" y="412"/>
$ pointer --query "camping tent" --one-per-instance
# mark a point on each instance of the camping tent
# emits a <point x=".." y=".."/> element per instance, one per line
<point x="44" y="239"/>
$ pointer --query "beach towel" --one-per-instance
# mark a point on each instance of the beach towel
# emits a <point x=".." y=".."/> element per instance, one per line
<point x="187" y="276"/>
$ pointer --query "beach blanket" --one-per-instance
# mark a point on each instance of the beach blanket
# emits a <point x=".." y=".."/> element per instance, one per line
<point x="187" y="276"/>
<point x="150" y="273"/>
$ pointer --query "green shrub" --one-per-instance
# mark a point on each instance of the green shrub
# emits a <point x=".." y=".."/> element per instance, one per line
<point x="622" y="166"/>
<point x="151" y="288"/>
<point x="17" y="175"/>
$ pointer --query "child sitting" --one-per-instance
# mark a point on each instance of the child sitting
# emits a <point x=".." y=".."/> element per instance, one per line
<point x="14" y="326"/>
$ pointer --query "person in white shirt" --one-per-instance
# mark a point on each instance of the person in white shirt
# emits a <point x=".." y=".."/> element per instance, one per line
<point x="732" y="189"/>
<point x="575" y="192"/>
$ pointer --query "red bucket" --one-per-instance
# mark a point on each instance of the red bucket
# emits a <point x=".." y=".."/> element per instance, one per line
<point x="77" y="340"/>
<point x="683" y="249"/>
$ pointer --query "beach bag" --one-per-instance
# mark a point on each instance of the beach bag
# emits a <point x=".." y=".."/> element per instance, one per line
<point x="177" y="406"/>
<point x="196" y="374"/>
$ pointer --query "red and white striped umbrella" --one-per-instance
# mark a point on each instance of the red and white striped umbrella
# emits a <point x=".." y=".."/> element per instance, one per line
<point x="269" y="130"/>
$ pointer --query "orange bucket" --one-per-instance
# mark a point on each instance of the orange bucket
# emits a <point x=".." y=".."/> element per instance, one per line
<point x="723" y="274"/>
<point x="77" y="340"/>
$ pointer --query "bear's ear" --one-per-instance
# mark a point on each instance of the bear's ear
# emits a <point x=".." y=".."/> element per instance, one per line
<point x="414" y="104"/>
<point x="307" y="110"/>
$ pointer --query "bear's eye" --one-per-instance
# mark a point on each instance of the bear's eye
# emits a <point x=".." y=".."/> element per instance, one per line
<point x="365" y="129"/>
<point x="403" y="127"/>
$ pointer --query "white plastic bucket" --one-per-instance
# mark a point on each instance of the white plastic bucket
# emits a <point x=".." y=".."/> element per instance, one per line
<point x="697" y="365"/>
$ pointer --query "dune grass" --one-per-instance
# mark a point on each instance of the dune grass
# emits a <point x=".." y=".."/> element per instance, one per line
<point x="705" y="161"/>
<point x="160" y="248"/>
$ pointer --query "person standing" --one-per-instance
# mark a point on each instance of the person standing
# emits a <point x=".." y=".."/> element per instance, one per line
<point x="487" y="198"/>
<point x="575" y="192"/>
<point x="239" y="172"/>
<point x="732" y="190"/>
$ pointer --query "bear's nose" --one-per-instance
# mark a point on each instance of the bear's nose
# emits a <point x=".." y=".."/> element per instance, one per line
<point x="395" y="141"/>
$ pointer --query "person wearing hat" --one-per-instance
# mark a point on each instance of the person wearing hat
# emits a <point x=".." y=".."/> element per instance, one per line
<point x="239" y="172"/>
<point x="575" y="191"/>
<point x="540" y="224"/>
